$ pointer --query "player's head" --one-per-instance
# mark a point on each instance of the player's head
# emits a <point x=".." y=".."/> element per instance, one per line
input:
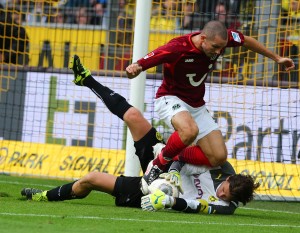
<point x="214" y="38"/>
<point x="242" y="188"/>
<point x="237" y="188"/>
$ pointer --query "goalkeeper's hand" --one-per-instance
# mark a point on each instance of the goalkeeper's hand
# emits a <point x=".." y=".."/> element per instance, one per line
<point x="154" y="201"/>
<point x="174" y="178"/>
<point x="203" y="206"/>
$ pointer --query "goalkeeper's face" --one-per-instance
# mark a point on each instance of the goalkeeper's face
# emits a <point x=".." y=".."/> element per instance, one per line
<point x="223" y="192"/>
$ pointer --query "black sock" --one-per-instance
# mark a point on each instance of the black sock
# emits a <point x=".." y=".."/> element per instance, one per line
<point x="144" y="147"/>
<point x="180" y="204"/>
<point x="116" y="103"/>
<point x="62" y="193"/>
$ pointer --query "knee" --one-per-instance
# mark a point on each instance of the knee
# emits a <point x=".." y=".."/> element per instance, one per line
<point x="218" y="158"/>
<point x="88" y="179"/>
<point x="189" y="133"/>
<point x="132" y="115"/>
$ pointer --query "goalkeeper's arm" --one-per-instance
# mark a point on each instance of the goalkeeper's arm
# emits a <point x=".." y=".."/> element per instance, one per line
<point x="173" y="175"/>
<point x="201" y="206"/>
<point x="176" y="166"/>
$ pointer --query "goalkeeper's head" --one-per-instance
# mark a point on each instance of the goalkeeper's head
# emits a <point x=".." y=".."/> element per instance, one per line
<point x="242" y="188"/>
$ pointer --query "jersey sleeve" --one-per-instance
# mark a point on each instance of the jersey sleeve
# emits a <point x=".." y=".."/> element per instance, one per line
<point x="221" y="209"/>
<point x="201" y="206"/>
<point x="235" y="38"/>
<point x="163" y="54"/>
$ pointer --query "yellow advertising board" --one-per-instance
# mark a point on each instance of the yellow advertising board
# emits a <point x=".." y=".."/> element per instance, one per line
<point x="52" y="47"/>
<point x="55" y="161"/>
<point x="67" y="162"/>
<point x="276" y="179"/>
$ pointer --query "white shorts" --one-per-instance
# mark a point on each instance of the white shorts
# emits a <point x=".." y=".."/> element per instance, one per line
<point x="167" y="106"/>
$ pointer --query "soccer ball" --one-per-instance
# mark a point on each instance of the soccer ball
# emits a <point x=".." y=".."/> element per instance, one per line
<point x="165" y="186"/>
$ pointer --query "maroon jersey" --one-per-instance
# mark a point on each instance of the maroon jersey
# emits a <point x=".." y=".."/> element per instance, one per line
<point x="185" y="67"/>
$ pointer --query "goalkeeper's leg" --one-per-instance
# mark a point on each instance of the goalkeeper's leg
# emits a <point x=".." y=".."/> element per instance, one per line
<point x="75" y="190"/>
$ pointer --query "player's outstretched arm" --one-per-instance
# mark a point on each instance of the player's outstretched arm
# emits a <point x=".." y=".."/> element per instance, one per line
<point x="202" y="206"/>
<point x="255" y="46"/>
<point x="159" y="200"/>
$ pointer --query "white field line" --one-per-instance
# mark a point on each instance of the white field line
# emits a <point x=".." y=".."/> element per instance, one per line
<point x="148" y="220"/>
<point x="31" y="185"/>
<point x="265" y="210"/>
<point x="51" y="186"/>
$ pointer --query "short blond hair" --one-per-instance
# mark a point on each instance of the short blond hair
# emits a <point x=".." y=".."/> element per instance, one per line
<point x="215" y="28"/>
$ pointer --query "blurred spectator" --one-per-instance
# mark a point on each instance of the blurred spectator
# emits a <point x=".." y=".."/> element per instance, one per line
<point x="14" y="42"/>
<point x="222" y="14"/>
<point x="103" y="2"/>
<point x="10" y="3"/>
<point x="78" y="3"/>
<point x="126" y="9"/>
<point x="292" y="7"/>
<point x="205" y="7"/>
<point x="189" y="17"/>
<point x="39" y="12"/>
<point x="290" y="20"/>
<point x="98" y="16"/>
<point x="124" y="34"/>
<point x="58" y="17"/>
<point x="82" y="16"/>
<point x="165" y="15"/>
<point x="2" y="34"/>
<point x="19" y="4"/>
<point x="16" y="15"/>
<point x="125" y="22"/>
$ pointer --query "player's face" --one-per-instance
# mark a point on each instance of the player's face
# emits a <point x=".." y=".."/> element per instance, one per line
<point x="213" y="47"/>
<point x="223" y="191"/>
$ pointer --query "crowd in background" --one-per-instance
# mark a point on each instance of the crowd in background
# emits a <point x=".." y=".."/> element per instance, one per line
<point x="166" y="14"/>
<point x="60" y="12"/>
<point x="14" y="41"/>
<point x="119" y="15"/>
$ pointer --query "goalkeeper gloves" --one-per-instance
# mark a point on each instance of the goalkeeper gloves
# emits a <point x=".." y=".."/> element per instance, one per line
<point x="174" y="177"/>
<point x="203" y="206"/>
<point x="156" y="201"/>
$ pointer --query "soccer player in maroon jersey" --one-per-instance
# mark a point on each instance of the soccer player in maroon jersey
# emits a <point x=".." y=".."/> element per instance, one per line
<point x="220" y="191"/>
<point x="187" y="60"/>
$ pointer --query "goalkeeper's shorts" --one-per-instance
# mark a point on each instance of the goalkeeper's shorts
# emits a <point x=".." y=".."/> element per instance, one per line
<point x="128" y="191"/>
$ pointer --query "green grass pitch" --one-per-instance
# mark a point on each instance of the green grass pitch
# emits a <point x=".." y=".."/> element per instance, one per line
<point x="97" y="213"/>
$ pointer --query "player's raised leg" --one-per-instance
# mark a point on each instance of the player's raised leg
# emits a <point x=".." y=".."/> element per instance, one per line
<point x="144" y="135"/>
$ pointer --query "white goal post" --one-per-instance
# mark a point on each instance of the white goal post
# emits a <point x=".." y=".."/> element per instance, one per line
<point x="137" y="85"/>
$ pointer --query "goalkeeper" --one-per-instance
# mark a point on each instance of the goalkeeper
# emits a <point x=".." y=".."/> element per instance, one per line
<point x="208" y="190"/>
<point x="126" y="190"/>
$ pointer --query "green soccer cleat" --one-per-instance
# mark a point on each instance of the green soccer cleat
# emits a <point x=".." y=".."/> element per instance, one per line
<point x="34" y="194"/>
<point x="80" y="72"/>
